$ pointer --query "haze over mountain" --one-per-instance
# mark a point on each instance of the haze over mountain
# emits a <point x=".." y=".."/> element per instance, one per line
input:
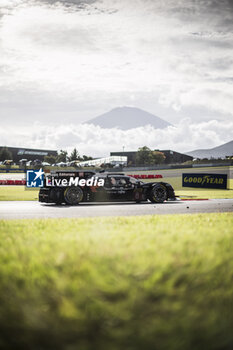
<point x="217" y="152"/>
<point x="126" y="118"/>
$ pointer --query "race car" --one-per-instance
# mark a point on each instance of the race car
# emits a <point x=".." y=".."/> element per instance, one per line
<point x="115" y="187"/>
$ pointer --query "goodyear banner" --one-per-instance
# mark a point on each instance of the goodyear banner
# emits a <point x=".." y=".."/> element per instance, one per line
<point x="205" y="180"/>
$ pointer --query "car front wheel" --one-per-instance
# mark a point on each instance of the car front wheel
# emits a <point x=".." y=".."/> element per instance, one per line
<point x="158" y="194"/>
<point x="73" y="195"/>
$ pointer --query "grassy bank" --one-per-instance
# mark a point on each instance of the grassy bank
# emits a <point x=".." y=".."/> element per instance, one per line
<point x="117" y="283"/>
<point x="19" y="193"/>
<point x="197" y="193"/>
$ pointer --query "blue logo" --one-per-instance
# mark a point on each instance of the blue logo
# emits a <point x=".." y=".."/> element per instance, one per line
<point x="35" y="178"/>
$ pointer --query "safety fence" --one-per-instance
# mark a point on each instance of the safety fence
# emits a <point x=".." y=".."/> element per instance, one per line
<point x="12" y="182"/>
<point x="23" y="182"/>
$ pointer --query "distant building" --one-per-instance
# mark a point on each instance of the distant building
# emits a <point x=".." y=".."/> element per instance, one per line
<point x="29" y="153"/>
<point x="172" y="157"/>
<point x="131" y="155"/>
<point x="113" y="160"/>
<point x="175" y="157"/>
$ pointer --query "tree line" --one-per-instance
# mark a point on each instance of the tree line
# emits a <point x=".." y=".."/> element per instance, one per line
<point x="5" y="154"/>
<point x="144" y="156"/>
<point x="63" y="157"/>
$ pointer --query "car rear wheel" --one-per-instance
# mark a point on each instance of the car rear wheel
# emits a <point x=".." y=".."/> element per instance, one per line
<point x="56" y="195"/>
<point x="158" y="194"/>
<point x="137" y="197"/>
<point x="73" y="195"/>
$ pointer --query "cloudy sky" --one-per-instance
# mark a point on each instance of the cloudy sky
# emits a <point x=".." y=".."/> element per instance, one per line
<point x="64" y="62"/>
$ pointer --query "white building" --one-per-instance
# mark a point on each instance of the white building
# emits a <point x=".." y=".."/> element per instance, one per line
<point x="114" y="160"/>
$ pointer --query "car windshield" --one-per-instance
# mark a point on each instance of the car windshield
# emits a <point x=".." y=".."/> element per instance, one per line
<point x="122" y="181"/>
<point x="133" y="180"/>
<point x="117" y="181"/>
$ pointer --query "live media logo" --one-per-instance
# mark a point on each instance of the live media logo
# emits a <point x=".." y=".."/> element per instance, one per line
<point x="35" y="178"/>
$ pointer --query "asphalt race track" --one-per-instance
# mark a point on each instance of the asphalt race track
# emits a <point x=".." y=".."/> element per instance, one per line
<point x="33" y="209"/>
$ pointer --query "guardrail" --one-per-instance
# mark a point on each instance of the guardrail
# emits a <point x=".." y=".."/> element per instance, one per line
<point x="145" y="176"/>
<point x="7" y="170"/>
<point x="23" y="182"/>
<point x="12" y="182"/>
<point x="175" y="166"/>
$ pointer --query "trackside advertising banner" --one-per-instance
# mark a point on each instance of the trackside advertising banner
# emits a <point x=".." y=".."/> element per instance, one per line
<point x="218" y="181"/>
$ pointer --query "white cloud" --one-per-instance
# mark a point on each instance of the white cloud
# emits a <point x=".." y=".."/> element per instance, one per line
<point x="96" y="141"/>
<point x="59" y="57"/>
<point x="114" y="48"/>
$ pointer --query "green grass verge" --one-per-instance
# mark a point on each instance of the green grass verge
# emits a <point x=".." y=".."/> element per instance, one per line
<point x="196" y="193"/>
<point x="155" y="282"/>
<point x="185" y="192"/>
<point x="205" y="194"/>
<point x="17" y="193"/>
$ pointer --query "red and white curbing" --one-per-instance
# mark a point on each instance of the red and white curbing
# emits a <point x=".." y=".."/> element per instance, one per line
<point x="194" y="199"/>
<point x="12" y="182"/>
<point x="145" y="176"/>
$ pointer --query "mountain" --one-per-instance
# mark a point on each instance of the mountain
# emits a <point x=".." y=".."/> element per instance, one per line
<point x="217" y="152"/>
<point x="126" y="118"/>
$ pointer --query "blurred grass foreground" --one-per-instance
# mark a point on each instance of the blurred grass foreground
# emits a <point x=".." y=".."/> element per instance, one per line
<point x="154" y="282"/>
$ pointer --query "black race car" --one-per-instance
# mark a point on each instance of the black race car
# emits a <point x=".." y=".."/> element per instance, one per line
<point x="115" y="187"/>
